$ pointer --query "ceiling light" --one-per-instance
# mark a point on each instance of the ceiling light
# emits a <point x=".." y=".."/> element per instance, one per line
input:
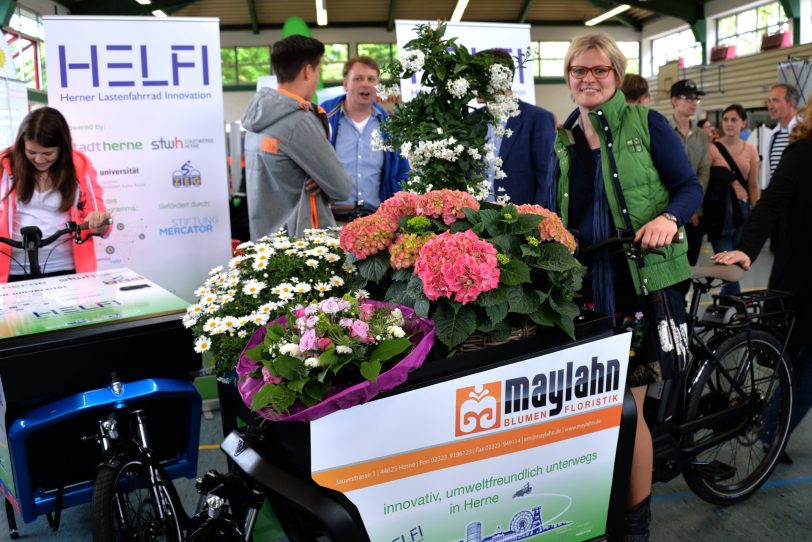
<point x="159" y="13"/>
<point x="321" y="13"/>
<point x="144" y="2"/>
<point x="608" y="15"/>
<point x="458" y="11"/>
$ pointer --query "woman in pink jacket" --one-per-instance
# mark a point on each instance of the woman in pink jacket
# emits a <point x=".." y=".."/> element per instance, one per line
<point x="46" y="184"/>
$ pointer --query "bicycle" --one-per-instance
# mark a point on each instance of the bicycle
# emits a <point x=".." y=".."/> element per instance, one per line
<point x="735" y="394"/>
<point x="133" y="497"/>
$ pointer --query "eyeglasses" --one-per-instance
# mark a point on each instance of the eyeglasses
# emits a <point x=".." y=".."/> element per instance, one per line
<point x="695" y="99"/>
<point x="600" y="72"/>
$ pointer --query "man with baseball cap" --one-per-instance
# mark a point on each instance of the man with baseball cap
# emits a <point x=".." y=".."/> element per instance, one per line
<point x="684" y="98"/>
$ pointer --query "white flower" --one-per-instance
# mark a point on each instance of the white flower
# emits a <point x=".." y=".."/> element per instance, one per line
<point x="245" y="245"/>
<point x="194" y="310"/>
<point x="501" y="78"/>
<point x="396" y="331"/>
<point x="322" y="288"/>
<point x="300" y="244"/>
<point x="312" y="263"/>
<point x="388" y="91"/>
<point x="208" y="299"/>
<point x="396" y="317"/>
<point x="341" y="349"/>
<point x="202" y="344"/>
<point x="280" y="289"/>
<point x="215" y="270"/>
<point x="336" y="281"/>
<point x="458" y="87"/>
<point x="312" y="363"/>
<point x="259" y="265"/>
<point x="202" y="291"/>
<point x="286" y="296"/>
<point x="290" y="349"/>
<point x="253" y="287"/>
<point x="188" y="321"/>
<point x="330" y="257"/>
<point x="211" y="309"/>
<point x="260" y="318"/>
<point x="504" y="107"/>
<point x="379" y="143"/>
<point x="412" y="60"/>
<point x="302" y="288"/>
<point x="361" y="294"/>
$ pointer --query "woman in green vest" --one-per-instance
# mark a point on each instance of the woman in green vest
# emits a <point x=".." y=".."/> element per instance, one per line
<point x="621" y="166"/>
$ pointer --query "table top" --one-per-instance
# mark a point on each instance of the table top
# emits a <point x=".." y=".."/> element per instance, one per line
<point x="85" y="299"/>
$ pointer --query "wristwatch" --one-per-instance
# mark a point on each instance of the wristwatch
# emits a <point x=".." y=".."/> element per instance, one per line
<point x="670" y="216"/>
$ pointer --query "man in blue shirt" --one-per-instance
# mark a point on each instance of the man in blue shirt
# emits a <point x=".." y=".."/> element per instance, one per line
<point x="354" y="117"/>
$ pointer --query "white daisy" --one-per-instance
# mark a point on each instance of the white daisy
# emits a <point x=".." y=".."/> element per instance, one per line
<point x="202" y="344"/>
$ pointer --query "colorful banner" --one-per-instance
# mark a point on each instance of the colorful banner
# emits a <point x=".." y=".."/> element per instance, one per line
<point x="13" y="108"/>
<point x="506" y="454"/>
<point x="143" y="97"/>
<point x="64" y="302"/>
<point x="515" y="38"/>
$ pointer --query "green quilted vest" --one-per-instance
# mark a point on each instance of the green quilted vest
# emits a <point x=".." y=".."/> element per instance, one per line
<point x="623" y="131"/>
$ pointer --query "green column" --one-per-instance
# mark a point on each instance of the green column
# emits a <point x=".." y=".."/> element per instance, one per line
<point x="7" y="8"/>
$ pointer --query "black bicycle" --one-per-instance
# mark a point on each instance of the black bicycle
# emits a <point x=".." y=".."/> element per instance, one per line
<point x="724" y="421"/>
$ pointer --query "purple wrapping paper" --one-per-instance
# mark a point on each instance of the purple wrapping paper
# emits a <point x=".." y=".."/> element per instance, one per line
<point x="338" y="398"/>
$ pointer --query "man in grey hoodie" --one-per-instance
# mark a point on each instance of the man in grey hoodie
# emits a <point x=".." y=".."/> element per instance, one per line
<point x="291" y="170"/>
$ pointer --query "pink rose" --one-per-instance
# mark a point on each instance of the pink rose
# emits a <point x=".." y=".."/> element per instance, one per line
<point x="360" y="330"/>
<point x="365" y="311"/>
<point x="269" y="378"/>
<point x="308" y="341"/>
<point x="298" y="313"/>
<point x="324" y="343"/>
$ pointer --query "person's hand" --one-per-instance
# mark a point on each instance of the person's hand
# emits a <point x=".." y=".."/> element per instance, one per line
<point x="312" y="187"/>
<point x="741" y="193"/>
<point x="98" y="222"/>
<point x="694" y="220"/>
<point x="733" y="257"/>
<point x="657" y="233"/>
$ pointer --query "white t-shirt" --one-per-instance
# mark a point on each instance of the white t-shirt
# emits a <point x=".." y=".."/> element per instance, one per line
<point x="360" y="125"/>
<point x="42" y="211"/>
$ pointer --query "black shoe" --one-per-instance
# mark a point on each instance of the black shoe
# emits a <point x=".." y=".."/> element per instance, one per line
<point x="784" y="458"/>
<point x="637" y="521"/>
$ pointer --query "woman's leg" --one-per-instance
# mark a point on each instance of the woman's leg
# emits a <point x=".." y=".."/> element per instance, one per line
<point x="643" y="459"/>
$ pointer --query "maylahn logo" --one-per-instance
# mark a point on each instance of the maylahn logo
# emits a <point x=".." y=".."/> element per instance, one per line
<point x="186" y="176"/>
<point x="478" y="408"/>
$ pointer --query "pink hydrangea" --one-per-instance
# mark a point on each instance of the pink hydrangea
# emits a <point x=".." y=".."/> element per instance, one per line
<point x="403" y="252"/>
<point x="551" y="228"/>
<point x="401" y="204"/>
<point x="446" y="204"/>
<point x="458" y="265"/>
<point x="368" y="235"/>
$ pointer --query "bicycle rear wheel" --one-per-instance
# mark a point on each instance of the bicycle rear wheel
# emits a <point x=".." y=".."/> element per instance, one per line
<point x="752" y="454"/>
<point x="124" y="508"/>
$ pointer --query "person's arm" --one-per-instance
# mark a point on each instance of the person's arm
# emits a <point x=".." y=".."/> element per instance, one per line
<point x="542" y="152"/>
<point x="311" y="150"/>
<point x="98" y="219"/>
<point x="753" y="185"/>
<point x="674" y="169"/>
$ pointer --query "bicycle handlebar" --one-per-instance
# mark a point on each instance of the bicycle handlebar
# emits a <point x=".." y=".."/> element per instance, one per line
<point x="623" y="237"/>
<point x="70" y="227"/>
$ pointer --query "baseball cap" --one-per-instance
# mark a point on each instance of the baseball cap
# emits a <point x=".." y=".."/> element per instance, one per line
<point x="685" y="87"/>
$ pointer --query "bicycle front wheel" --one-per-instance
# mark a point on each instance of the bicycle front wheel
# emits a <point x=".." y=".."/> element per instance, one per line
<point x="127" y="507"/>
<point x="750" y="456"/>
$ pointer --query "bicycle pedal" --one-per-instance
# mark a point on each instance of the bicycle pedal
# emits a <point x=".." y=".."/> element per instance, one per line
<point x="715" y="471"/>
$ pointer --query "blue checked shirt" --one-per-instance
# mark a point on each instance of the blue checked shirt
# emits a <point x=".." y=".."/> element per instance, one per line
<point x="365" y="166"/>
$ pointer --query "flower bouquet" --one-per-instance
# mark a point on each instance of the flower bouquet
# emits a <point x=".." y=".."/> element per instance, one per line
<point x="260" y="284"/>
<point x="330" y="355"/>
<point x="471" y="267"/>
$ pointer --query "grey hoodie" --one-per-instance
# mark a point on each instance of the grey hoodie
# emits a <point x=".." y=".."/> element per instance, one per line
<point x="286" y="143"/>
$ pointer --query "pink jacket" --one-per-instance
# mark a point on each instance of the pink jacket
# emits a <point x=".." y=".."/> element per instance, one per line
<point x="88" y="199"/>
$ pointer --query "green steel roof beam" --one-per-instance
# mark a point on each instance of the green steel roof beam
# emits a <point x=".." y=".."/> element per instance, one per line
<point x="622" y="18"/>
<point x="390" y="23"/>
<point x="525" y="9"/>
<point x="252" y="12"/>
<point x="689" y="11"/>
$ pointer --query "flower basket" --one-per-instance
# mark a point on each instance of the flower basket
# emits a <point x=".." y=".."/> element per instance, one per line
<point x="480" y="341"/>
<point x="338" y="397"/>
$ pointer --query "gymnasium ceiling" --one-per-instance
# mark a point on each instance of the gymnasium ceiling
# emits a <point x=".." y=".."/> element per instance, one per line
<point x="255" y="15"/>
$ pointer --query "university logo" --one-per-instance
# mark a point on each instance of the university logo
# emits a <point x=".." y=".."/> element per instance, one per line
<point x="478" y="408"/>
<point x="186" y="176"/>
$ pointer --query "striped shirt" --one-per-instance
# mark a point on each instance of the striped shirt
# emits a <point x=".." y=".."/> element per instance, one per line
<point x="780" y="142"/>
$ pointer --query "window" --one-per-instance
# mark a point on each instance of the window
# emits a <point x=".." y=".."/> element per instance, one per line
<point x="548" y="58"/>
<point x="631" y="50"/>
<point x="677" y="46"/>
<point x="332" y="63"/>
<point x="745" y="29"/>
<point x="383" y="53"/>
<point x="24" y="38"/>
<point x="243" y="65"/>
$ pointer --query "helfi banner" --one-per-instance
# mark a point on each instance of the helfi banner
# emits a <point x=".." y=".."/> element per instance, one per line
<point x="511" y="453"/>
<point x="143" y="98"/>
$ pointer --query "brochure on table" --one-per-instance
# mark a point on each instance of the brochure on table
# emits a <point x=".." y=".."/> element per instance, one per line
<point x="65" y="302"/>
<point x="506" y="454"/>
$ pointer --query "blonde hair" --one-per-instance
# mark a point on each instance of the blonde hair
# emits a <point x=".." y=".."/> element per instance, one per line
<point x="603" y="43"/>
<point x="803" y="130"/>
